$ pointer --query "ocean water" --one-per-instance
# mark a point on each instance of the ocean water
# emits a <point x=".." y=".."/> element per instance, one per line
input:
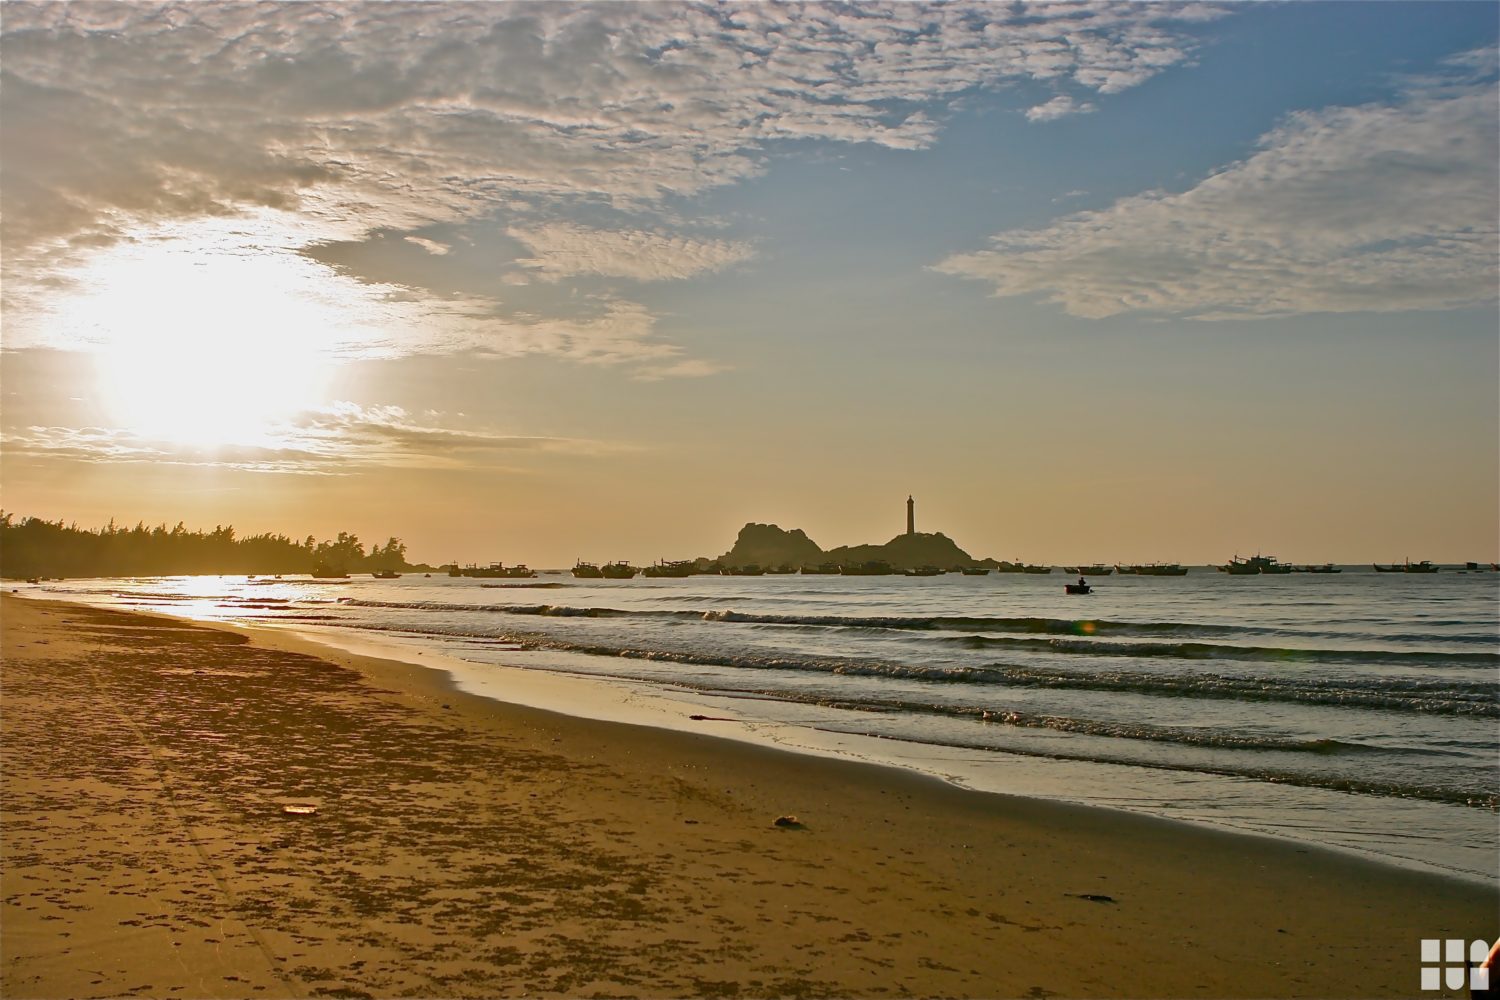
<point x="1358" y="711"/>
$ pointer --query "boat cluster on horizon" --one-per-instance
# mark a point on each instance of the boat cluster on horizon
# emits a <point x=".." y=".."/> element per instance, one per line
<point x="1259" y="565"/>
<point x="493" y="571"/>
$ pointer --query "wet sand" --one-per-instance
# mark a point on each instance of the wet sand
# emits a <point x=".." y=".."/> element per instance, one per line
<point x="460" y="847"/>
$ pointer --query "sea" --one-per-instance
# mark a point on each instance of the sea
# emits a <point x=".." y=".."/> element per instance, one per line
<point x="1358" y="711"/>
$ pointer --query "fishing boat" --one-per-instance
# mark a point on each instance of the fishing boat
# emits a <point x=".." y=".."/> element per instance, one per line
<point x="327" y="571"/>
<point x="781" y="570"/>
<point x="873" y="568"/>
<point x="1255" y="566"/>
<point x="618" y="571"/>
<point x="822" y="569"/>
<point x="1407" y="567"/>
<point x="1160" y="569"/>
<point x="673" y="568"/>
<point x="498" y="571"/>
<point x="975" y="571"/>
<point x="587" y="571"/>
<point x="386" y="574"/>
<point x="923" y="571"/>
<point x="1089" y="570"/>
<point x="750" y="569"/>
<point x="1035" y="569"/>
<point x="1325" y="568"/>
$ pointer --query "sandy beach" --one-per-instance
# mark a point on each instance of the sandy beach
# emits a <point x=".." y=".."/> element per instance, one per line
<point x="195" y="811"/>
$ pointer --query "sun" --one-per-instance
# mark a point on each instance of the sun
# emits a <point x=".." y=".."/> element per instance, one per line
<point x="209" y="338"/>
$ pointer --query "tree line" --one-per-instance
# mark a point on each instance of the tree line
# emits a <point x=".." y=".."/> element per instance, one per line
<point x="33" y="547"/>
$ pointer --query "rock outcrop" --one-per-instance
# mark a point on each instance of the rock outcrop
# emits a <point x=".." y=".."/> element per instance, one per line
<point x="768" y="545"/>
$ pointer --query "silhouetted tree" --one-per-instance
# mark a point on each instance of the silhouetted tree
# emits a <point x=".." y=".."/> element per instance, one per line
<point x="33" y="547"/>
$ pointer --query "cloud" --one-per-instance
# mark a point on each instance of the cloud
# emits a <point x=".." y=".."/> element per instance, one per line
<point x="212" y="286"/>
<point x="304" y="124"/>
<point x="330" y="440"/>
<point x="687" y="368"/>
<point x="1380" y="207"/>
<point x="400" y="115"/>
<point x="437" y="249"/>
<point x="565" y="250"/>
<point x="1058" y="107"/>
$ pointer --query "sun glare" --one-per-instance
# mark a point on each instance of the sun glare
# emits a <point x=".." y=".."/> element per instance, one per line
<point x="212" y="335"/>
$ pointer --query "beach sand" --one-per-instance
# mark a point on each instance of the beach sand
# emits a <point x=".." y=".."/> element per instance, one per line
<point x="461" y="847"/>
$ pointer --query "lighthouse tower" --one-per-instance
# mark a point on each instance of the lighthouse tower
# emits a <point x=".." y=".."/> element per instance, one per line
<point x="911" y="516"/>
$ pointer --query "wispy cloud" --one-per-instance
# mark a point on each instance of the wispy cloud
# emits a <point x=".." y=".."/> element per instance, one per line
<point x="566" y="250"/>
<point x="431" y="246"/>
<point x="334" y="440"/>
<point x="1059" y="107"/>
<point x="1379" y="207"/>
<point x="686" y="368"/>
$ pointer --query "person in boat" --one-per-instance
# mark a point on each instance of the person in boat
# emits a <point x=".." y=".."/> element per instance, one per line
<point x="1082" y="582"/>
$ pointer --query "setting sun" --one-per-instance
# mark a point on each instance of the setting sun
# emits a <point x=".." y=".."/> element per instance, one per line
<point x="207" y="336"/>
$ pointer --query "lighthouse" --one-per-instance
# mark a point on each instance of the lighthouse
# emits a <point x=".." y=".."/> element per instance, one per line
<point x="911" y="516"/>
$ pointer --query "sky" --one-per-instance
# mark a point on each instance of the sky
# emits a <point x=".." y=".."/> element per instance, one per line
<point x="537" y="282"/>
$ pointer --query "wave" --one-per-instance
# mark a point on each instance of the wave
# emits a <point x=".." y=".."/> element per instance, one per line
<point x="1473" y="797"/>
<point x="525" y="586"/>
<point x="1220" y="651"/>
<point x="1289" y="748"/>
<point x="1180" y="735"/>
<point x="1063" y="635"/>
<point x="1437" y="697"/>
<point x="1050" y="626"/>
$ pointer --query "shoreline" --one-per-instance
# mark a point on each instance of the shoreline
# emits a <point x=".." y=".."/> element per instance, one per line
<point x="618" y="702"/>
<point x="609" y="857"/>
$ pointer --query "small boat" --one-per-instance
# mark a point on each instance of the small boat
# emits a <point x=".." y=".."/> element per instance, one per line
<point x="325" y="571"/>
<point x="386" y="574"/>
<point x="923" y="571"/>
<point x="975" y="571"/>
<point x="1077" y="588"/>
